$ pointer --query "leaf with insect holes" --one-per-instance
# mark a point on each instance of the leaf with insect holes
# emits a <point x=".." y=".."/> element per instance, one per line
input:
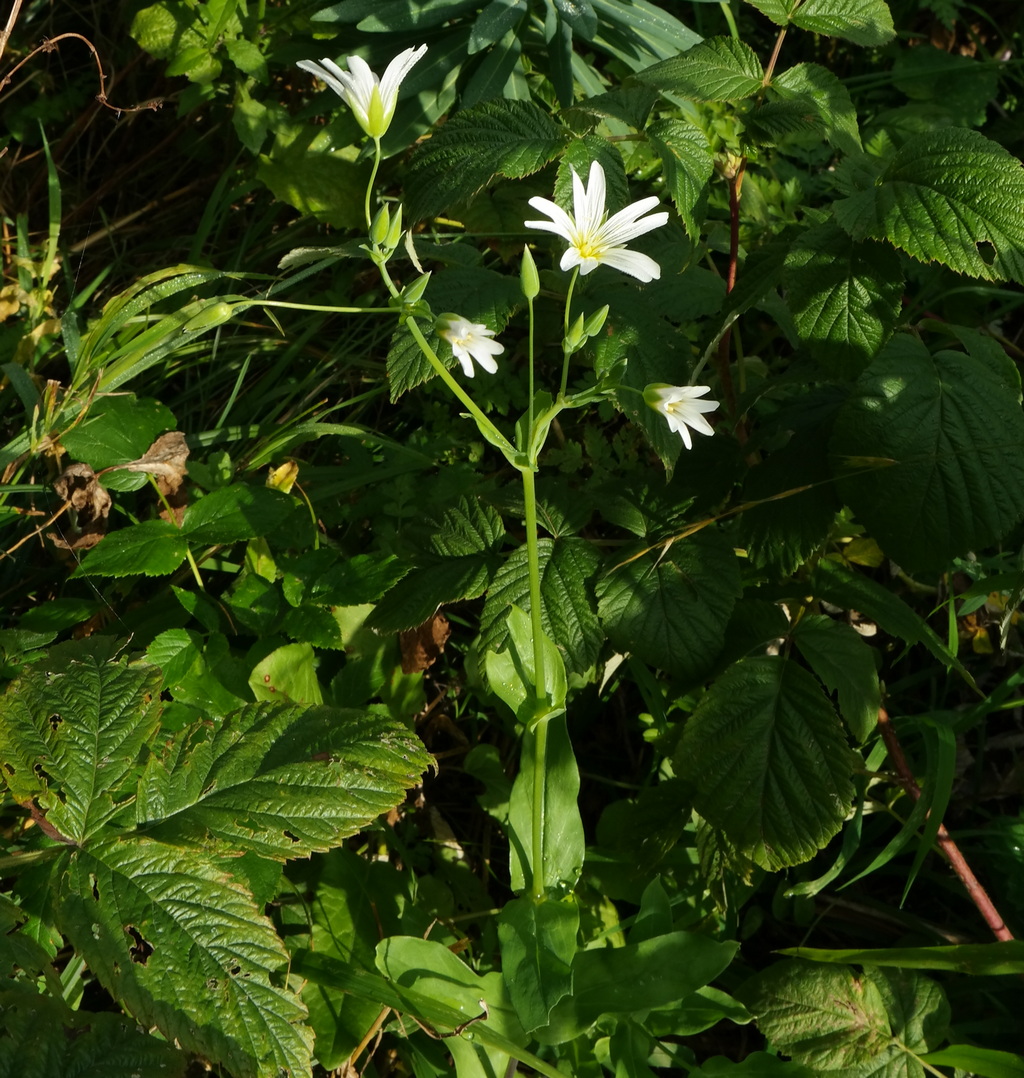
<point x="950" y="196"/>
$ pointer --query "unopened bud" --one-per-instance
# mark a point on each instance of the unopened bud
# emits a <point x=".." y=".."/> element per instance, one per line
<point x="381" y="225"/>
<point x="576" y="335"/>
<point x="529" y="278"/>
<point x="595" y="323"/>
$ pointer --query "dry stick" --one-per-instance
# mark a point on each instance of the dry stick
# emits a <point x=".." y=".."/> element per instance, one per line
<point x="6" y="32"/>
<point x="50" y="44"/>
<point x="977" y="894"/>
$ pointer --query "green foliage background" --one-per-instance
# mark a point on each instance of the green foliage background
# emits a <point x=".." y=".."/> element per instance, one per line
<point x="242" y="823"/>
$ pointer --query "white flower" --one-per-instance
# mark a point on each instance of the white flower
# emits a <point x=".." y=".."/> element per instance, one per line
<point x="470" y="341"/>
<point x="592" y="239"/>
<point x="678" y="404"/>
<point x="372" y="100"/>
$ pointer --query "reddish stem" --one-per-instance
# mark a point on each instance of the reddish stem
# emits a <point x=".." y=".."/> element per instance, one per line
<point x="724" y="373"/>
<point x="977" y="894"/>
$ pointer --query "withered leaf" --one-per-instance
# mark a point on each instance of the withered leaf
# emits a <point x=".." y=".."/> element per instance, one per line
<point x="90" y="502"/>
<point x="165" y="459"/>
<point x="422" y="645"/>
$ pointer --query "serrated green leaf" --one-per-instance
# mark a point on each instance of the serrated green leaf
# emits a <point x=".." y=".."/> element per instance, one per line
<point x="631" y="105"/>
<point x="513" y="138"/>
<point x="538" y="942"/>
<point x="70" y="739"/>
<point x="845" y="296"/>
<point x="578" y="156"/>
<point x="798" y="502"/>
<point x="152" y="548"/>
<point x="950" y="196"/>
<point x="318" y="576"/>
<point x="567" y="571"/>
<point x="718" y="69"/>
<point x="470" y="526"/>
<point x="778" y="11"/>
<point x="839" y="656"/>
<point x="824" y="1017"/>
<point x="429" y="586"/>
<point x="476" y="294"/>
<point x="929" y="451"/>
<point x="41" y="1037"/>
<point x="768" y="763"/>
<point x="864" y="22"/>
<point x="186" y="949"/>
<point x="278" y="780"/>
<point x="670" y="608"/>
<point x="834" y="1020"/>
<point x="826" y="97"/>
<point x="234" y="513"/>
<point x="688" y="164"/>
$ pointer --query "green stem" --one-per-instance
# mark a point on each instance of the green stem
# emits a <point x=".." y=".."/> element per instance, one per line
<point x="487" y="428"/>
<point x="529" y="426"/>
<point x="565" y="333"/>
<point x="369" y="186"/>
<point x="540" y="749"/>
<point x="318" y="307"/>
<point x="729" y="18"/>
<point x="540" y="732"/>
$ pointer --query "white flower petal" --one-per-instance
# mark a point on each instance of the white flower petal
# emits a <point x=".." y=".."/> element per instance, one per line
<point x="637" y="265"/>
<point x="396" y="71"/>
<point x="592" y="239"/>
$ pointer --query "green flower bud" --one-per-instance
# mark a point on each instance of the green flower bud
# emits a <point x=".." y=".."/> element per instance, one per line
<point x="576" y="335"/>
<point x="380" y="227"/>
<point x="529" y="278"/>
<point x="595" y="323"/>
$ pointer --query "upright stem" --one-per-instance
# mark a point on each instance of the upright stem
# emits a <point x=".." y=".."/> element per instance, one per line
<point x="529" y="425"/>
<point x="494" y="435"/>
<point x="977" y="894"/>
<point x="540" y="732"/>
<point x="565" y="332"/>
<point x="724" y="373"/>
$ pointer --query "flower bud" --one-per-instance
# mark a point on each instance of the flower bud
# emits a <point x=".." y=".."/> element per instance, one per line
<point x="380" y="227"/>
<point x="394" y="236"/>
<point x="595" y="323"/>
<point x="529" y="278"/>
<point x="576" y="336"/>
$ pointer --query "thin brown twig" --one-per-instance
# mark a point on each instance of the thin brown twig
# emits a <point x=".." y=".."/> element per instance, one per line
<point x="975" y="892"/>
<point x="49" y="44"/>
<point x="735" y="177"/>
<point x="6" y="32"/>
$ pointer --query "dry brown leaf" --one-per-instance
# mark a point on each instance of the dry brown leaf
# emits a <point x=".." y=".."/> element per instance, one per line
<point x="422" y="645"/>
<point x="78" y="485"/>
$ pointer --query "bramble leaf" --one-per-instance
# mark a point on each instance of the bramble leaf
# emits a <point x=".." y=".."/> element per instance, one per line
<point x="670" y="609"/>
<point x="766" y="758"/>
<point x="930" y="452"/>
<point x="513" y="138"/>
<point x="864" y="22"/>
<point x="282" y="781"/>
<point x="826" y="97"/>
<point x="952" y="196"/>
<point x="845" y="297"/>
<point x="187" y="950"/>
<point x="70" y="740"/>
<point x="688" y="163"/>
<point x="718" y="69"/>
<point x="567" y="570"/>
